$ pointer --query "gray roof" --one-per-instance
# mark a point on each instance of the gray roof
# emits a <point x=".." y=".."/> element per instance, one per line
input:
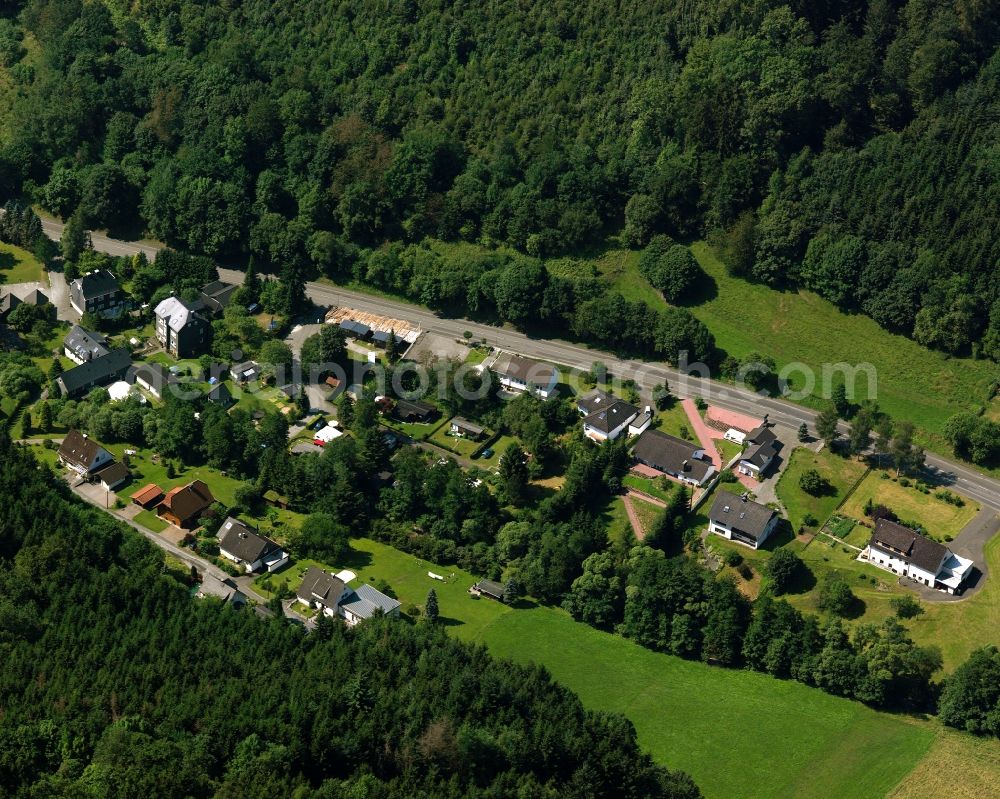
<point x="320" y="586"/>
<point x="592" y="400"/>
<point x="241" y="542"/>
<point x="240" y="369"/>
<point x="914" y="548"/>
<point x="155" y="375"/>
<point x="470" y="427"/>
<point x="609" y="417"/>
<point x="221" y="394"/>
<point x="305" y="447"/>
<point x="413" y="409"/>
<point x="114" y="474"/>
<point x="217" y="294"/>
<point x="356" y="329"/>
<point x="84" y="344"/>
<point x="745" y="515"/>
<point x="530" y="372"/>
<point x="491" y="587"/>
<point x="97" y="371"/>
<point x="8" y="302"/>
<point x="670" y="454"/>
<point x="35" y="297"/>
<point x="382" y="336"/>
<point x="95" y="284"/>
<point x="764" y="445"/>
<point x="178" y="313"/>
<point x="364" y="601"/>
<point x="226" y="590"/>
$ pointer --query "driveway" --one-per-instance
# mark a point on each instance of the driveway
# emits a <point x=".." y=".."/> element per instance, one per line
<point x="702" y="431"/>
<point x="969" y="543"/>
<point x="59" y="297"/>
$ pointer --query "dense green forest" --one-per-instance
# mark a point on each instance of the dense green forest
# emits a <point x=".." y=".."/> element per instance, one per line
<point x="116" y="683"/>
<point x="847" y="147"/>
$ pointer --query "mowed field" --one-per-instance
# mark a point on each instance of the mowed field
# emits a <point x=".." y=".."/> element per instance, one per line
<point x="913" y="382"/>
<point x="977" y="760"/>
<point x="738" y="733"/>
<point x="19" y="266"/>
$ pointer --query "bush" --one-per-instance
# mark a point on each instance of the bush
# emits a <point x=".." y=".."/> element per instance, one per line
<point x="906" y="607"/>
<point x="782" y="569"/>
<point x="812" y="482"/>
<point x="732" y="558"/>
<point x="727" y="476"/>
<point x="809" y="520"/>
<point x="745" y="571"/>
<point x="836" y="596"/>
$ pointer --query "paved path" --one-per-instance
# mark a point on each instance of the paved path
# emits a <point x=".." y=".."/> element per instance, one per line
<point x="964" y="479"/>
<point x="702" y="431"/>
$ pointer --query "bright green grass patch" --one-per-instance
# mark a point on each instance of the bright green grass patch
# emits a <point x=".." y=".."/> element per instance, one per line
<point x="406" y="574"/>
<point x="646" y="512"/>
<point x="647" y="486"/>
<point x="149" y="519"/>
<point x="20" y="266"/>
<point x="674" y="422"/>
<point x="460" y="444"/>
<point x="621" y="269"/>
<point x="727" y="449"/>
<point x="913" y="382"/>
<point x="840" y="473"/>
<point x="497" y="449"/>
<point x="145" y="471"/>
<point x="937" y="517"/>
<point x="738" y="733"/>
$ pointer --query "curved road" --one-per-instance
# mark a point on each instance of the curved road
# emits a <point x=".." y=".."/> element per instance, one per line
<point x="966" y="480"/>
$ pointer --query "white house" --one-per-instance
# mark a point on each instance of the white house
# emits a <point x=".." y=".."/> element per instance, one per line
<point x="740" y="519"/>
<point x="82" y="454"/>
<point x="519" y="374"/>
<point x="246" y="548"/>
<point x="153" y="377"/>
<point x="609" y="421"/>
<point x="759" y="456"/>
<point x="82" y="345"/>
<point x="905" y="552"/>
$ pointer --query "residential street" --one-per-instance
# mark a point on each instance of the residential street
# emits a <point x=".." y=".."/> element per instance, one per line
<point x="964" y="479"/>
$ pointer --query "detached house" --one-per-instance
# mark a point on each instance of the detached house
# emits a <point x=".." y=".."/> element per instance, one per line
<point x="519" y="374"/>
<point x="905" y="552"/>
<point x="740" y="519"/>
<point x="673" y="456"/>
<point x="82" y="454"/>
<point x="153" y="377"/>
<point x="215" y="296"/>
<point x="759" y="456"/>
<point x="180" y="329"/>
<point x="97" y="372"/>
<point x="184" y="505"/>
<point x="605" y="417"/>
<point x="251" y="550"/>
<point x="82" y="345"/>
<point x="331" y="594"/>
<point x="97" y="293"/>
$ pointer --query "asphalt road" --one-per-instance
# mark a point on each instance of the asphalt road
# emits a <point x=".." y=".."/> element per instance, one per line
<point x="964" y="479"/>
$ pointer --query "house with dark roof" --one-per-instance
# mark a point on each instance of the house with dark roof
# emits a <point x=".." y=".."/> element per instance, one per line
<point x="673" y="456"/>
<point x="220" y="395"/>
<point x="740" y="519"/>
<point x="113" y="476"/>
<point x="461" y="426"/>
<point x="154" y="377"/>
<point x="321" y="590"/>
<point x="180" y="329"/>
<point x="490" y="588"/>
<point x="97" y="293"/>
<point x="249" y="549"/>
<point x="245" y="372"/>
<point x="760" y="454"/>
<point x="98" y="372"/>
<point x="518" y="374"/>
<point x="35" y="297"/>
<point x="355" y="329"/>
<point x="413" y="411"/>
<point x="905" y="552"/>
<point x="216" y="296"/>
<point x="82" y="454"/>
<point x="609" y="419"/>
<point x="380" y="338"/>
<point x="81" y="345"/>
<point x="8" y="302"/>
<point x="183" y="506"/>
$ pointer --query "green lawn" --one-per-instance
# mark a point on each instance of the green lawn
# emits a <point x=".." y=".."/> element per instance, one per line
<point x="939" y="518"/>
<point x="498" y="448"/>
<point x="738" y="733"/>
<point x="648" y="486"/>
<point x="20" y="266"/>
<point x="145" y="471"/>
<point x="463" y="446"/>
<point x="727" y="449"/>
<point x="674" y="421"/>
<point x="841" y="473"/>
<point x="914" y="383"/>
<point x="464" y="615"/>
<point x="148" y="518"/>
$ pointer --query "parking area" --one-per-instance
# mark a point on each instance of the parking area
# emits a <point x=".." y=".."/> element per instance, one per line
<point x="429" y="346"/>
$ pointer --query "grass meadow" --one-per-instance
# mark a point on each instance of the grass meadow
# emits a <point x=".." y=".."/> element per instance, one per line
<point x="840" y="473"/>
<point x="19" y="266"/>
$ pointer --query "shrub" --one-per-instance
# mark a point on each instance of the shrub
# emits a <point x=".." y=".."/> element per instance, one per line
<point x="727" y="476"/>
<point x="906" y="607"/>
<point x="732" y="558"/>
<point x="905" y="482"/>
<point x="745" y="571"/>
<point x="809" y="520"/>
<point x="835" y="596"/>
<point x="782" y="569"/>
<point x="812" y="482"/>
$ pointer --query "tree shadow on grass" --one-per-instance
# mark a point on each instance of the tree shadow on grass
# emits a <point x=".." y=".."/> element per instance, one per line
<point x="357" y="559"/>
<point x="802" y="582"/>
<point x="704" y="290"/>
<point x="447" y="621"/>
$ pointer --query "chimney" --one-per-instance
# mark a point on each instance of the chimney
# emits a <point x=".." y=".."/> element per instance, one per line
<point x="686" y="466"/>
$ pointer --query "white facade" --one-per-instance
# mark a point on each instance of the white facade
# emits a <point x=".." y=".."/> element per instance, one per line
<point x="600" y="435"/>
<point x="143" y="384"/>
<point x="640" y="423"/>
<point x="891" y="561"/>
<point x="269" y="563"/>
<point x="101" y="458"/>
<point x="517" y="386"/>
<point x="726" y="532"/>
